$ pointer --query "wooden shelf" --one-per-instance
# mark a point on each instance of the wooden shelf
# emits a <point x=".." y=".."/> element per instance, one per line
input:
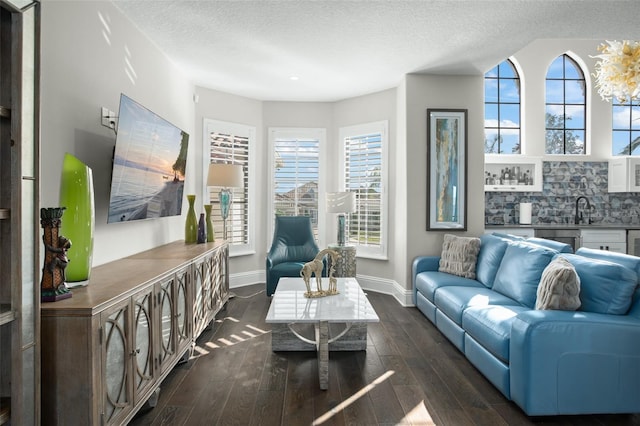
<point x="5" y="112"/>
<point x="6" y="314"/>
<point x="5" y="410"/>
<point x="5" y="213"/>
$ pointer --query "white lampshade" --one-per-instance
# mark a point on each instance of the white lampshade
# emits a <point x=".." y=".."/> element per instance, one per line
<point x="341" y="202"/>
<point x="225" y="175"/>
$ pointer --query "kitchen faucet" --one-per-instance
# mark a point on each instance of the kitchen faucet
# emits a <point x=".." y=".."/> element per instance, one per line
<point x="579" y="218"/>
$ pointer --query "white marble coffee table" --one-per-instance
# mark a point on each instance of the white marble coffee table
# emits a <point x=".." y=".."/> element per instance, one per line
<point x="290" y="310"/>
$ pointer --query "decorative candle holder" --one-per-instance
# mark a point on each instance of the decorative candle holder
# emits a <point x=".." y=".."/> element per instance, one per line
<point x="209" y="225"/>
<point x="191" y="225"/>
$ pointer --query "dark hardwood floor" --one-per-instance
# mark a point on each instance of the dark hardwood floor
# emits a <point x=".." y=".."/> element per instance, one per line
<point x="409" y="375"/>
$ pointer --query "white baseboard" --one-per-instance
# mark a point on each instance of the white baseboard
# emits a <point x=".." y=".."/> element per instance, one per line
<point x="386" y="286"/>
<point x="379" y="285"/>
<point x="247" y="278"/>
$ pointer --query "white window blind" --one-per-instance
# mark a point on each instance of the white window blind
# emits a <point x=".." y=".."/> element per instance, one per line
<point x="296" y="173"/>
<point x="365" y="174"/>
<point x="231" y="144"/>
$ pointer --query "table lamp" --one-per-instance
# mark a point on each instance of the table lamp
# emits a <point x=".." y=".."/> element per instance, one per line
<point x="225" y="176"/>
<point x="341" y="203"/>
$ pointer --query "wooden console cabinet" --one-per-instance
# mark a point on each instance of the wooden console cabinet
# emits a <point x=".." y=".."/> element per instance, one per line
<point x="107" y="349"/>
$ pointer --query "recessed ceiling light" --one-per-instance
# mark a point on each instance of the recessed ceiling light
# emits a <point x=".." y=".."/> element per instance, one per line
<point x="294" y="78"/>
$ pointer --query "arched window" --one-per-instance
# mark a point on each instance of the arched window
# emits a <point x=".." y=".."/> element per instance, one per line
<point x="565" y="114"/>
<point x="626" y="127"/>
<point x="502" y="110"/>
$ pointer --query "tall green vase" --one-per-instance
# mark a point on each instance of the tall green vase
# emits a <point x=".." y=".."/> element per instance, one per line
<point x="210" y="234"/>
<point x="76" y="194"/>
<point x="191" y="225"/>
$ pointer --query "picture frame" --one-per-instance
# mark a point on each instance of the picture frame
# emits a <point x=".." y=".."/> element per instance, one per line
<point x="446" y="169"/>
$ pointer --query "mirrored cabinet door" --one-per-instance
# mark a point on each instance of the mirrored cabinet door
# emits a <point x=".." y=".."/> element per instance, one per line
<point x="142" y="351"/>
<point x="116" y="376"/>
<point x="166" y="296"/>
<point x="183" y="332"/>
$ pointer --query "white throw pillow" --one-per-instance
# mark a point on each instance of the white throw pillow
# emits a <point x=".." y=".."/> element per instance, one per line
<point x="459" y="255"/>
<point x="559" y="286"/>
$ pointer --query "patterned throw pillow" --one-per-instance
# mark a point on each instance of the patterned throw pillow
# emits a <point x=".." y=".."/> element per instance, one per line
<point x="559" y="286"/>
<point x="459" y="255"/>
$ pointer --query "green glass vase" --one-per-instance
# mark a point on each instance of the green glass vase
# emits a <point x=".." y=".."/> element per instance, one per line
<point x="210" y="235"/>
<point x="76" y="194"/>
<point x="191" y="225"/>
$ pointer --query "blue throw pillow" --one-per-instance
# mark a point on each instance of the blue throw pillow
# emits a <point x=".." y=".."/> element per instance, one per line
<point x="556" y="245"/>
<point x="605" y="287"/>
<point x="520" y="271"/>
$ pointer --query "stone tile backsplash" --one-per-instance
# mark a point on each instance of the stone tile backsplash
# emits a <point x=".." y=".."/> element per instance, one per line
<point x="563" y="182"/>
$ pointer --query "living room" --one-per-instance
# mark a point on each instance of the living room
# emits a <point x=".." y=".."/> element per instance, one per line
<point x="90" y="48"/>
<point x="91" y="53"/>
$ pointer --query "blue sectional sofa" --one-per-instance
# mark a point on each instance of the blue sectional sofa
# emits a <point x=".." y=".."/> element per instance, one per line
<point x="549" y="362"/>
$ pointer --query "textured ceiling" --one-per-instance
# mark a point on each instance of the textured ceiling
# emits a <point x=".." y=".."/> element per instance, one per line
<point x="341" y="49"/>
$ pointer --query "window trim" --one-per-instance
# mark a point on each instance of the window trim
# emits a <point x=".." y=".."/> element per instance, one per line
<point x="521" y="126"/>
<point x="587" y="105"/>
<point x="234" y="128"/>
<point x="318" y="133"/>
<point x="382" y="127"/>
<point x="627" y="104"/>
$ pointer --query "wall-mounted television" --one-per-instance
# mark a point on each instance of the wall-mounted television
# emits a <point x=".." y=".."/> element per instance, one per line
<point x="149" y="162"/>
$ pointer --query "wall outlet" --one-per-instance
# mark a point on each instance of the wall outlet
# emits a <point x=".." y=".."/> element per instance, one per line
<point x="108" y="118"/>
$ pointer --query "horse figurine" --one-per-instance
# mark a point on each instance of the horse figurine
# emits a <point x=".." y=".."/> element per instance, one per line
<point x="314" y="267"/>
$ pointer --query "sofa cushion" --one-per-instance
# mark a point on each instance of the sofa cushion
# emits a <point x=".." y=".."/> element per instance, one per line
<point x="492" y="248"/>
<point x="509" y="237"/>
<point x="459" y="255"/>
<point x="631" y="262"/>
<point x="491" y="327"/>
<point x="452" y="301"/>
<point x="556" y="245"/>
<point x="605" y="287"/>
<point x="520" y="271"/>
<point x="559" y="286"/>
<point x="429" y="281"/>
<point x="287" y="269"/>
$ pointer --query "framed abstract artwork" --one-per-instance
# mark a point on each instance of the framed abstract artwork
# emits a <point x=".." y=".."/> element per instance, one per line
<point x="447" y="169"/>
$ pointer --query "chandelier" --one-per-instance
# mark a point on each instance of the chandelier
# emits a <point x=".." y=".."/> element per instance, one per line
<point x="618" y="71"/>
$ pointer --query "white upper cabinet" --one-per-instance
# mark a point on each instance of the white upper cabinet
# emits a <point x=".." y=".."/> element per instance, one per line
<point x="624" y="174"/>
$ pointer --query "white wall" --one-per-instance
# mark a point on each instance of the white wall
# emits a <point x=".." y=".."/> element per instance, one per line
<point x="365" y="109"/>
<point x="213" y="104"/>
<point x="533" y="61"/>
<point x="90" y="54"/>
<point x="433" y="91"/>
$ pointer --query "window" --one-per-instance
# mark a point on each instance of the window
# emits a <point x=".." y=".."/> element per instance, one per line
<point x="365" y="173"/>
<point x="502" y="110"/>
<point x="233" y="144"/>
<point x="626" y="128"/>
<point x="296" y="173"/>
<point x="565" y="113"/>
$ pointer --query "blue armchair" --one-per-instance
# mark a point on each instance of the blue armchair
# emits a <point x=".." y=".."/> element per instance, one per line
<point x="293" y="245"/>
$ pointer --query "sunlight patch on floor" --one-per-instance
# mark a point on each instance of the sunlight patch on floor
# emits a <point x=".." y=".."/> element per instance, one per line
<point x="362" y="392"/>
<point x="250" y="332"/>
<point x="419" y="415"/>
